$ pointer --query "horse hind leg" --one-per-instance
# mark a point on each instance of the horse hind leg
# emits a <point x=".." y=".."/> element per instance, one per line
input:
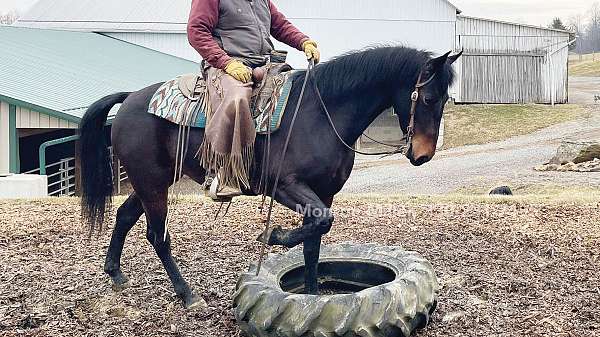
<point x="127" y="216"/>
<point x="156" y="214"/>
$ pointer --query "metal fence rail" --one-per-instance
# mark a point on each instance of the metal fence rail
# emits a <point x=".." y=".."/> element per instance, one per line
<point x="120" y="175"/>
<point x="62" y="175"/>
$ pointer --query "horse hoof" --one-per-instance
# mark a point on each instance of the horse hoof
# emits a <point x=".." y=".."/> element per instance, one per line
<point x="117" y="287"/>
<point x="277" y="236"/>
<point x="120" y="282"/>
<point x="195" y="303"/>
<point x="265" y="236"/>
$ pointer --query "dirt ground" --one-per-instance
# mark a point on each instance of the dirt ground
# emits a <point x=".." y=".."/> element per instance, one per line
<point x="507" y="268"/>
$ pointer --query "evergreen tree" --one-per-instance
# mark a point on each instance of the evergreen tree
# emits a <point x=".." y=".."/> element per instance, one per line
<point x="557" y="24"/>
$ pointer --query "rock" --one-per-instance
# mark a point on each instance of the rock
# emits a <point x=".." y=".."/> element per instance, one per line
<point x="568" y="167"/>
<point x="476" y="301"/>
<point x="454" y="316"/>
<point x="576" y="152"/>
<point x="589" y="166"/>
<point x="454" y="282"/>
<point x="502" y="190"/>
<point x="547" y="167"/>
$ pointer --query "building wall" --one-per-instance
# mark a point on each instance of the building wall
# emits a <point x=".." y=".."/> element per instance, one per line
<point x="510" y="63"/>
<point x="24" y="119"/>
<point x="425" y="24"/>
<point x="169" y="43"/>
<point x="28" y="119"/>
<point x="333" y="41"/>
<point x="340" y="26"/>
<point x="4" y="138"/>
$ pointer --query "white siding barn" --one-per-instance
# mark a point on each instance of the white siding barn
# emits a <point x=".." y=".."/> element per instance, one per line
<point x="504" y="62"/>
<point x="161" y="25"/>
<point x="510" y="63"/>
<point x="341" y="25"/>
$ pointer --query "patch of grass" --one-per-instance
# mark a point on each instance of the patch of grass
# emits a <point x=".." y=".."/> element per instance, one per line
<point x="480" y="124"/>
<point x="574" y="58"/>
<point x="566" y="196"/>
<point x="525" y="194"/>
<point x="588" y="67"/>
<point x="534" y="193"/>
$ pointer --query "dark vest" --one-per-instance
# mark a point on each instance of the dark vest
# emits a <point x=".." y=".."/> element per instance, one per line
<point x="244" y="30"/>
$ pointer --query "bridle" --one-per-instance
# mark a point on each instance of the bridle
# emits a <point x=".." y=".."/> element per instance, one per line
<point x="414" y="97"/>
<point x="410" y="130"/>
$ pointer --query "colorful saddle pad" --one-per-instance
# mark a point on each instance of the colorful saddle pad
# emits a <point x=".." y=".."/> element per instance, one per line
<point x="173" y="104"/>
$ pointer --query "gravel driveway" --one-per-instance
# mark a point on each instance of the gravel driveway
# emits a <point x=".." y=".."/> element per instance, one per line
<point x="583" y="90"/>
<point x="510" y="161"/>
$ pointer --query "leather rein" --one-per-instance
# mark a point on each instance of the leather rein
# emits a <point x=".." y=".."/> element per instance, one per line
<point x="402" y="148"/>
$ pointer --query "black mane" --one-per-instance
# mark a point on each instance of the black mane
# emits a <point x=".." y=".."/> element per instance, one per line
<point x="374" y="66"/>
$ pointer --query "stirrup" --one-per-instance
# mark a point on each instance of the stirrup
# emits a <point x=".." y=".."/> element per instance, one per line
<point x="224" y="193"/>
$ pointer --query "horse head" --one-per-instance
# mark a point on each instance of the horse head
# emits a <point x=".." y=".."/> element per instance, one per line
<point x="425" y="107"/>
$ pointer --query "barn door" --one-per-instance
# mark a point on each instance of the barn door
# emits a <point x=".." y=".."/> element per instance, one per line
<point x="501" y="78"/>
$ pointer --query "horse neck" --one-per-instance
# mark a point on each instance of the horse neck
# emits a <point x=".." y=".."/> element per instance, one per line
<point x="355" y="110"/>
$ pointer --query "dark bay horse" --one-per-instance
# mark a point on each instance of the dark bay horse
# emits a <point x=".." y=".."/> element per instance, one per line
<point x="356" y="88"/>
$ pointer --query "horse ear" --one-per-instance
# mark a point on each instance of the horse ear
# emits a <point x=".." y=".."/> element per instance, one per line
<point x="436" y="64"/>
<point x="453" y="58"/>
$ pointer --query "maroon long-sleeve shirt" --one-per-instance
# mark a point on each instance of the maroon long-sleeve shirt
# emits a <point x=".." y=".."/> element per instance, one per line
<point x="204" y="18"/>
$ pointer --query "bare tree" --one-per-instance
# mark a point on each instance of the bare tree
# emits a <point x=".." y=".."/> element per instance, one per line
<point x="8" y="18"/>
<point x="593" y="29"/>
<point x="588" y="34"/>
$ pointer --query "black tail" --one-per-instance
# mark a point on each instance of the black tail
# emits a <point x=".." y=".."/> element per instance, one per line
<point x="96" y="168"/>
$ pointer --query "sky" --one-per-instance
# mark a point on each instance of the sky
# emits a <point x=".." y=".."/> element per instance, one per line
<point x="18" y="5"/>
<point x="535" y="12"/>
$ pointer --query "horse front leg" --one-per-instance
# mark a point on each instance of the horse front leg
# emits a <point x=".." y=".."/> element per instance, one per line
<point x="311" y="250"/>
<point x="156" y="214"/>
<point x="316" y="223"/>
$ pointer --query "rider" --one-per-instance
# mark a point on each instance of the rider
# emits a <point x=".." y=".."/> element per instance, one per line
<point x="233" y="37"/>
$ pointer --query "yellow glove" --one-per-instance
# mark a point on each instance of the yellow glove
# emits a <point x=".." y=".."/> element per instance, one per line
<point x="311" y="51"/>
<point x="239" y="71"/>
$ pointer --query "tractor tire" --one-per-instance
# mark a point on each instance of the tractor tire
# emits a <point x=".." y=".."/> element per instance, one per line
<point x="389" y="292"/>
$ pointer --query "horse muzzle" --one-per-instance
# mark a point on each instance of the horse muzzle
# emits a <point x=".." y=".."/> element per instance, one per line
<point x="418" y="160"/>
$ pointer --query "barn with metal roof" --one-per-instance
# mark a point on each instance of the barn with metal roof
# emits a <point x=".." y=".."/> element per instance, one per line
<point x="49" y="77"/>
<point x="161" y="25"/>
<point x="503" y="62"/>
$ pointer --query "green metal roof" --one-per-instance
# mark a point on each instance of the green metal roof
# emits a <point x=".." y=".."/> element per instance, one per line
<point x="61" y="72"/>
